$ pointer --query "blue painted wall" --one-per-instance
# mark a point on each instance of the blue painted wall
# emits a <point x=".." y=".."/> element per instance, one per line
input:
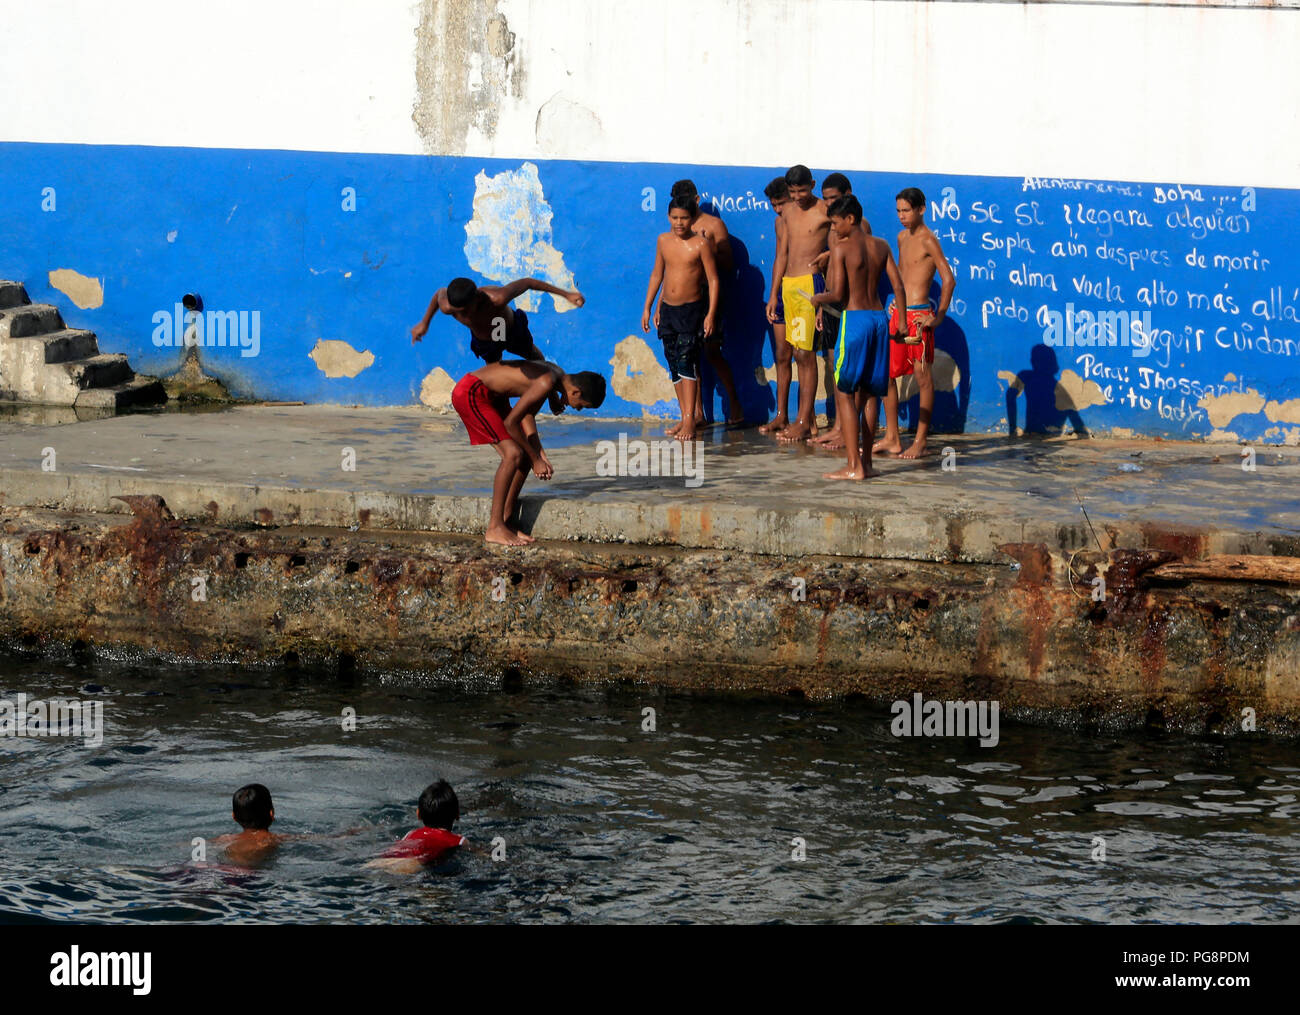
<point x="266" y="231"/>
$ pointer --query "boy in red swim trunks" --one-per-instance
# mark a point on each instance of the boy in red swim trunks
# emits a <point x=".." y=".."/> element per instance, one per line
<point x="438" y="809"/>
<point x="919" y="257"/>
<point x="482" y="399"/>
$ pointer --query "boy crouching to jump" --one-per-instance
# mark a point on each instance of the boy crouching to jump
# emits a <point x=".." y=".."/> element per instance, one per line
<point x="482" y="399"/>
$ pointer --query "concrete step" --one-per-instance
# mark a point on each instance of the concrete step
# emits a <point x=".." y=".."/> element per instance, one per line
<point x="32" y="319"/>
<point x="139" y="390"/>
<point x="102" y="371"/>
<point x="12" y="294"/>
<point x="59" y="346"/>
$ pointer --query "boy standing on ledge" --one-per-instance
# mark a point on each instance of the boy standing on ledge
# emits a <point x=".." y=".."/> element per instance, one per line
<point x="495" y="327"/>
<point x="688" y="311"/>
<point x="919" y="257"/>
<point x="482" y="399"/>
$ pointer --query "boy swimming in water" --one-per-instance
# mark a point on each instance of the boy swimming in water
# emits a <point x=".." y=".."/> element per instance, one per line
<point x="919" y="257"/>
<point x="482" y="399"/>
<point x="686" y="267"/>
<point x="798" y="244"/>
<point x="437" y="809"/>
<point x="495" y="327"/>
<point x="252" y="808"/>
<point x="862" y="348"/>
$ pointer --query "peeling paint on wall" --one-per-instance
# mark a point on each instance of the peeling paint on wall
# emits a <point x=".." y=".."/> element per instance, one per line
<point x="564" y="125"/>
<point x="466" y="65"/>
<point x="638" y="375"/>
<point x="435" y="389"/>
<point x="338" y="359"/>
<point x="87" y="293"/>
<point x="1223" y="436"/>
<point x="1073" y="392"/>
<point x="510" y="235"/>
<point x="947" y="375"/>
<point x="1223" y="408"/>
<point x="1283" y="412"/>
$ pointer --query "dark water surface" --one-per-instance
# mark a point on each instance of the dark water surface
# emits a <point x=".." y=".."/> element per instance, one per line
<point x="605" y="822"/>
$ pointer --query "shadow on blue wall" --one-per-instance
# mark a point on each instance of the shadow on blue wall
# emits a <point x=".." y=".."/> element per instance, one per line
<point x="1039" y="384"/>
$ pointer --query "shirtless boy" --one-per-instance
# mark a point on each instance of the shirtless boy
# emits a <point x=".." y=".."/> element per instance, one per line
<point x="688" y="312"/>
<point x="495" y="326"/>
<point x="252" y="808"/>
<point x="778" y="195"/>
<point x="715" y="230"/>
<point x="919" y="257"/>
<point x="835" y="186"/>
<point x="862" y="349"/>
<point x="798" y="244"/>
<point x="482" y="400"/>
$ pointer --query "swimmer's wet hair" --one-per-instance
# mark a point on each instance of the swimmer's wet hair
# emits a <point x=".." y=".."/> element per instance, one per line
<point x="846" y="207"/>
<point x="684" y="188"/>
<point x="912" y="196"/>
<point x="798" y="176"/>
<point x="777" y="190"/>
<point x="591" y="386"/>
<point x="252" y="806"/>
<point x="460" y="292"/>
<point x="438" y="806"/>
<point x="684" y="202"/>
<point x="837" y="181"/>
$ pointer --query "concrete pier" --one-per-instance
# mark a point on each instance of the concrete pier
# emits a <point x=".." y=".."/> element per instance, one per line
<point x="241" y="535"/>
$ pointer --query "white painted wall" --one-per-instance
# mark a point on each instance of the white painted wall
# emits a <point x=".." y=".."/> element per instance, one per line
<point x="1106" y="90"/>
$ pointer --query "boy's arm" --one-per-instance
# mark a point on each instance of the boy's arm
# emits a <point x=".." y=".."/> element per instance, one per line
<point x="527" y="405"/>
<point x="515" y="289"/>
<point x="656" y="277"/>
<point x="837" y="282"/>
<point x="778" y="267"/>
<point x="726" y="263"/>
<point x="710" y="262"/>
<point x="419" y="331"/>
<point x="945" y="275"/>
<point x="896" y="283"/>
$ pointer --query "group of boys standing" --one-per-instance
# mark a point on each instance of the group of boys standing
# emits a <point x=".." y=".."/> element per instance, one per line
<point x="828" y="265"/>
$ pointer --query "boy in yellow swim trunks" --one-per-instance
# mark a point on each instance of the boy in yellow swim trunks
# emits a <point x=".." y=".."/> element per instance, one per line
<point x="803" y="238"/>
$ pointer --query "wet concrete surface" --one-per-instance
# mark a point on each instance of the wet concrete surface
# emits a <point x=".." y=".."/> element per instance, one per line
<point x="415" y="470"/>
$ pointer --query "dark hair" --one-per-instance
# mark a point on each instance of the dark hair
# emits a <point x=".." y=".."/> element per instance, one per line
<point x="591" y="386"/>
<point x="684" y="188"/>
<point x="912" y="196"/>
<point x="438" y="806"/>
<point x="798" y="176"/>
<point x="837" y="181"/>
<point x="777" y="190"/>
<point x="461" y="292"/>
<point x="846" y="207"/>
<point x="252" y="806"/>
<point x="684" y="202"/>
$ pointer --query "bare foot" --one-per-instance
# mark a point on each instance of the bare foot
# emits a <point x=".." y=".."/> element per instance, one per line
<point x="503" y="536"/>
<point x="794" y="432"/>
<point x="776" y="425"/>
<point x="525" y="537"/>
<point x="671" y="431"/>
<point x="885" y="446"/>
<point x="685" y="435"/>
<point x="737" y="416"/>
<point x="917" y="450"/>
<point x="831" y="442"/>
<point x="847" y="473"/>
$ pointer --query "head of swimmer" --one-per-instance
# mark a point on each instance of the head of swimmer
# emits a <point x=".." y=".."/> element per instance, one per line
<point x="846" y="215"/>
<point x="911" y="207"/>
<point x="438" y="806"/>
<point x="251" y="807"/>
<point x="583" y="390"/>
<point x="681" y="209"/>
<point x="778" y="194"/>
<point x="463" y="294"/>
<point x="835" y="187"/>
<point x="800" y="181"/>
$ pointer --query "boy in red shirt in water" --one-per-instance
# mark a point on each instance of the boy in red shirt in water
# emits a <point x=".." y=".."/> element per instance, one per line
<point x="438" y="809"/>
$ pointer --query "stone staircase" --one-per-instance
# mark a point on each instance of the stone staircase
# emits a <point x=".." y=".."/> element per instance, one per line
<point x="45" y="362"/>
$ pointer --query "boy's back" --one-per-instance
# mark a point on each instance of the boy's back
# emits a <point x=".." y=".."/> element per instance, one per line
<point x="864" y="259"/>
<point x="512" y="379"/>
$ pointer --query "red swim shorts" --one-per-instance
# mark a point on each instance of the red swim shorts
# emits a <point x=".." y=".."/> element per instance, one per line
<point x="482" y="412"/>
<point x="903" y="356"/>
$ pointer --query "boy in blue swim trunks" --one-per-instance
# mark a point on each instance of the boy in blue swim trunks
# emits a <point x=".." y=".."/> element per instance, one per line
<point x="495" y="326"/>
<point x="687" y="313"/>
<point x="862" y="347"/>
